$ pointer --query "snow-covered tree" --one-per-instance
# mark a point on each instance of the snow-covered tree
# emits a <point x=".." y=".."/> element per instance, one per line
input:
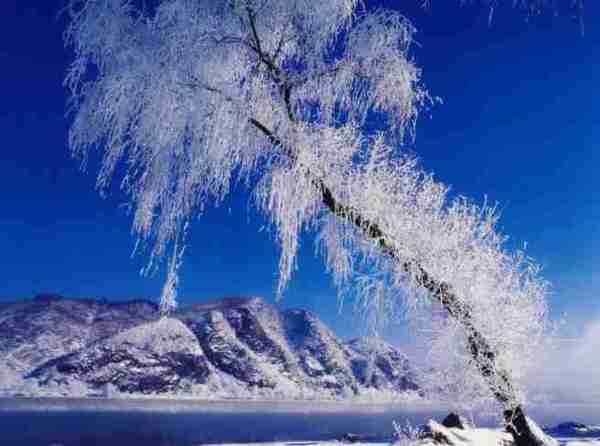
<point x="310" y="103"/>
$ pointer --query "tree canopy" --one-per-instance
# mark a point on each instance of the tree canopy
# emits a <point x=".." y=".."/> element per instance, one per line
<point x="311" y="105"/>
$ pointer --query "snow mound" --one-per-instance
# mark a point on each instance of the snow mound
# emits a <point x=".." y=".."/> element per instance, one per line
<point x="452" y="436"/>
<point x="437" y="434"/>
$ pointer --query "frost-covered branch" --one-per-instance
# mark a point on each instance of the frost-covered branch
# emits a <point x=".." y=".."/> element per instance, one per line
<point x="481" y="351"/>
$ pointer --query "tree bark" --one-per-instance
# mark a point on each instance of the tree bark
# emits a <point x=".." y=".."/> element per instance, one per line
<point x="517" y="425"/>
<point x="481" y="352"/>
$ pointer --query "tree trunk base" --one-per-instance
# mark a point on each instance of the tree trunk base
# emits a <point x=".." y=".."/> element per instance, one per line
<point x="524" y="430"/>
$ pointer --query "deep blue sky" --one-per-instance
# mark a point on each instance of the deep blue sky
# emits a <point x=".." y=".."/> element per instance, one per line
<point x="518" y="123"/>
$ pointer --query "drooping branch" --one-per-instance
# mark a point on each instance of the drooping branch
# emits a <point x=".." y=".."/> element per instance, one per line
<point x="482" y="353"/>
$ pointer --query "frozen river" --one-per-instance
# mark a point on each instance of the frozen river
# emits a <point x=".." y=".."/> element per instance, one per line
<point x="74" y="422"/>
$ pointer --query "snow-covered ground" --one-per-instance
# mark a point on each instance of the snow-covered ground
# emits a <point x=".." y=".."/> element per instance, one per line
<point x="301" y="443"/>
<point x="563" y="442"/>
<point x="579" y="442"/>
<point x="305" y="443"/>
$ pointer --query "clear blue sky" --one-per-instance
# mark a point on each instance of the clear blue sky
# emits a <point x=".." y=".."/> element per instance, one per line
<point x="519" y="123"/>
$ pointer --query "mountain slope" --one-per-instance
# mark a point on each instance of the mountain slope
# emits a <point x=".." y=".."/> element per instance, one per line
<point x="236" y="347"/>
<point x="48" y="326"/>
<point x="155" y="357"/>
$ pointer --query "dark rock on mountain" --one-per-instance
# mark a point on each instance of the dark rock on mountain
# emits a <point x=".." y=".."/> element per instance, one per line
<point x="321" y="354"/>
<point x="380" y="365"/>
<point x="149" y="359"/>
<point x="225" y="351"/>
<point x="457" y="421"/>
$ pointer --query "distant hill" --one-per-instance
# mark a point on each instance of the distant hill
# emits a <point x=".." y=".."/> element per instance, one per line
<point x="228" y="348"/>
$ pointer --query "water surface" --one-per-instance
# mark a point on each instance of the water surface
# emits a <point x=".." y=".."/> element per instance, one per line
<point x="91" y="422"/>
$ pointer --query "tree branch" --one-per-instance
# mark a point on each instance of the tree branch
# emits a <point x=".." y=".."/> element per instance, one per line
<point x="285" y="88"/>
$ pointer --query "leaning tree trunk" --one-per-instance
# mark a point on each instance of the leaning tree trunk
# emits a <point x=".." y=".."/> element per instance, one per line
<point x="517" y="425"/>
<point x="482" y="353"/>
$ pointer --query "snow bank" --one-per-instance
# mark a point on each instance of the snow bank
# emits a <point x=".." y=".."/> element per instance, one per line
<point x="483" y="441"/>
<point x="441" y="434"/>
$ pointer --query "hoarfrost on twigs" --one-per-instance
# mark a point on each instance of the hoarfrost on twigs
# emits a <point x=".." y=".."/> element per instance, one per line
<point x="194" y="95"/>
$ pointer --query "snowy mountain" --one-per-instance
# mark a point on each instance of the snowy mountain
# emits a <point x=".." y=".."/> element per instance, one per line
<point x="229" y="348"/>
<point x="155" y="357"/>
<point x="49" y="326"/>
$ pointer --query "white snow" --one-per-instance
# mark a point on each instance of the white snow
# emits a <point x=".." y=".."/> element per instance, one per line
<point x="163" y="336"/>
<point x="470" y="437"/>
<point x="583" y="443"/>
<point x="475" y="437"/>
